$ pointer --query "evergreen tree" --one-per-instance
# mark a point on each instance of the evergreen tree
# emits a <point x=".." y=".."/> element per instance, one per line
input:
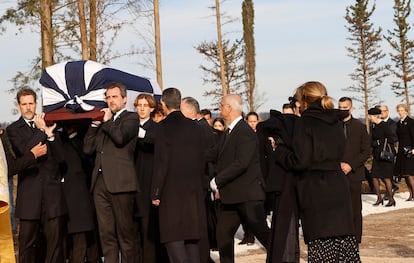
<point x="366" y="51"/>
<point x="403" y="49"/>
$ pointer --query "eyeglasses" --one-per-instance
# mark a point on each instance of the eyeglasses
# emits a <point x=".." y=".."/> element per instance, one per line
<point x="222" y="105"/>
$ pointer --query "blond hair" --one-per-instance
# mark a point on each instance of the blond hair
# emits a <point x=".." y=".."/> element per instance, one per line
<point x="312" y="93"/>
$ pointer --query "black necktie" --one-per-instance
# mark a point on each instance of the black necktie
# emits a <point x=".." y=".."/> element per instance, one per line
<point x="31" y="124"/>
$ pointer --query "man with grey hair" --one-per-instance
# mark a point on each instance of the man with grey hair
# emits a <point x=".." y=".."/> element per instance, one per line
<point x="238" y="183"/>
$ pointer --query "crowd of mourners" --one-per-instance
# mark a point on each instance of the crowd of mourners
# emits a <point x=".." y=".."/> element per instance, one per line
<point x="170" y="183"/>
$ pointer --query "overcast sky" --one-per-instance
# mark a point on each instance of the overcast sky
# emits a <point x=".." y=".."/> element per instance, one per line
<point x="296" y="41"/>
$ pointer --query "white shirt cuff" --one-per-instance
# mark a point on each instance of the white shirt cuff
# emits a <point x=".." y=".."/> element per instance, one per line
<point x="213" y="185"/>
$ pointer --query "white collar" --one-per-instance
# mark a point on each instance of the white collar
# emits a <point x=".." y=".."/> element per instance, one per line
<point x="233" y="123"/>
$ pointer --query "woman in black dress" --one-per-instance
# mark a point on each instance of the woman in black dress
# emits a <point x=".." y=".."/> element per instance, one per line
<point x="404" y="166"/>
<point x="324" y="199"/>
<point x="381" y="169"/>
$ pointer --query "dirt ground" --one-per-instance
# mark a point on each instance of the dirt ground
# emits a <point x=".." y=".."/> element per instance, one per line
<point x="387" y="238"/>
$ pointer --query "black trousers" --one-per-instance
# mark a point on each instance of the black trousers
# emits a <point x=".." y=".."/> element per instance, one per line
<point x="229" y="218"/>
<point x="118" y="230"/>
<point x="184" y="251"/>
<point x="30" y="240"/>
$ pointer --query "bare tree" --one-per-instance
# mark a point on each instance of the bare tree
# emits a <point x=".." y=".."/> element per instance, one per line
<point x="403" y="48"/>
<point x="233" y="68"/>
<point x="83" y="30"/>
<point x="367" y="53"/>
<point x="224" y="84"/>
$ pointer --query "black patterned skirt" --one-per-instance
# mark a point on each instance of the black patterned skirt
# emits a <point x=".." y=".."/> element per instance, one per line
<point x="334" y="250"/>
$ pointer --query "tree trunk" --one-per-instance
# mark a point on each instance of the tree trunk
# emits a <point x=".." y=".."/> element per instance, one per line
<point x="92" y="30"/>
<point x="250" y="61"/>
<point x="83" y="30"/>
<point x="224" y="85"/>
<point x="157" y="43"/>
<point x="46" y="32"/>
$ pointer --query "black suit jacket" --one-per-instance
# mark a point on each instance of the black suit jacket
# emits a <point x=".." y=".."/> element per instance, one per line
<point x="177" y="181"/>
<point x="239" y="177"/>
<point x="357" y="149"/>
<point x="15" y="165"/>
<point x="114" y="143"/>
<point x="40" y="184"/>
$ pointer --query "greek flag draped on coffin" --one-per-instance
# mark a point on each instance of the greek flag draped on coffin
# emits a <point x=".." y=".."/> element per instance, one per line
<point x="78" y="87"/>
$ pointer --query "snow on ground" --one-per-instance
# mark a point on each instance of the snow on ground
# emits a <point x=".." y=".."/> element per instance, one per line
<point x="367" y="209"/>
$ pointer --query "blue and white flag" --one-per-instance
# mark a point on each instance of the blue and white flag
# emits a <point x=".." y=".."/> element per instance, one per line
<point x="80" y="86"/>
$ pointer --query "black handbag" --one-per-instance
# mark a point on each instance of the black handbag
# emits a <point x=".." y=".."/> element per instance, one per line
<point x="387" y="154"/>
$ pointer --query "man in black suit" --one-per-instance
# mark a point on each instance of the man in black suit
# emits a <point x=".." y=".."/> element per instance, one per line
<point x="177" y="183"/>
<point x="114" y="181"/>
<point x="152" y="250"/>
<point x="239" y="181"/>
<point x="357" y="151"/>
<point x="40" y="202"/>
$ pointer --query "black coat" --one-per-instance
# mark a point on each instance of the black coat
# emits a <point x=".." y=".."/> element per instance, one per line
<point x="357" y="149"/>
<point x="178" y="176"/>
<point x="380" y="168"/>
<point x="144" y="162"/>
<point x="405" y="163"/>
<point x="15" y="165"/>
<point x="40" y="184"/>
<point x="282" y="181"/>
<point x="318" y="145"/>
<point x="76" y="173"/>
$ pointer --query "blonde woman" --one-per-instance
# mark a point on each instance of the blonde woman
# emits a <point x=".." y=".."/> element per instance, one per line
<point x="324" y="200"/>
<point x="404" y="166"/>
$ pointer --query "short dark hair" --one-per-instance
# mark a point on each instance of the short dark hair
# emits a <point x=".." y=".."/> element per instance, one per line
<point x="343" y="99"/>
<point x="120" y="86"/>
<point x="26" y="92"/>
<point x="172" y="98"/>
<point x="287" y="106"/>
<point x="252" y="113"/>
<point x="206" y="112"/>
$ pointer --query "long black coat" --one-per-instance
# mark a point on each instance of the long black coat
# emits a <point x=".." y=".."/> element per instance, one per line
<point x="284" y="238"/>
<point x="40" y="184"/>
<point x="76" y="172"/>
<point x="405" y="133"/>
<point x="322" y="188"/>
<point x="177" y="180"/>
<point x="380" y="168"/>
<point x="144" y="162"/>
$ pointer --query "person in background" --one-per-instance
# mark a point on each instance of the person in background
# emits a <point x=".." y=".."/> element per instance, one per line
<point x="288" y="108"/>
<point x="157" y="114"/>
<point x="190" y="108"/>
<point x="80" y="223"/>
<point x="114" y="180"/>
<point x="252" y="118"/>
<point x="404" y="165"/>
<point x="385" y="116"/>
<point x="381" y="169"/>
<point x="40" y="202"/>
<point x="207" y="115"/>
<point x="357" y="152"/>
<point x="151" y="249"/>
<point x="177" y="185"/>
<point x="322" y="188"/>
<point x="219" y="124"/>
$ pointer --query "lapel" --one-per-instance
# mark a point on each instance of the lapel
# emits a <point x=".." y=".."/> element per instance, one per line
<point x="227" y="137"/>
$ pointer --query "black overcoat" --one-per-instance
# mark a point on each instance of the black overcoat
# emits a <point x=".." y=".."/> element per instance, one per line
<point x="323" y="193"/>
<point x="405" y="132"/>
<point x="380" y="168"/>
<point x="177" y="180"/>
